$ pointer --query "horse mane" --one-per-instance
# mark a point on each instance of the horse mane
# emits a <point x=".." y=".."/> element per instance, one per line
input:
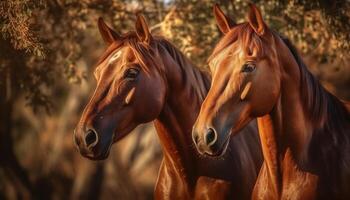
<point x="331" y="121"/>
<point x="191" y="74"/>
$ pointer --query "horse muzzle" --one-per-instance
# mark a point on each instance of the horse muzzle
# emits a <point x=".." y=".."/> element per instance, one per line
<point x="89" y="144"/>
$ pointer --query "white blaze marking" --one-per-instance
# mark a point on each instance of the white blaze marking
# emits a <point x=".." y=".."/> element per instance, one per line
<point x="115" y="56"/>
<point x="129" y="96"/>
<point x="246" y="90"/>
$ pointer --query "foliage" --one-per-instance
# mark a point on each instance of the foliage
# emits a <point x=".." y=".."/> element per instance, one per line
<point x="318" y="27"/>
<point x="49" y="34"/>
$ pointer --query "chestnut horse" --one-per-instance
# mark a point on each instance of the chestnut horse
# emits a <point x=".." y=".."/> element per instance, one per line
<point x="304" y="130"/>
<point x="141" y="78"/>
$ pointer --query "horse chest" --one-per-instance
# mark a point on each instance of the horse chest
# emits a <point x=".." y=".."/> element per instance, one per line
<point x="295" y="184"/>
<point x="171" y="185"/>
<point x="265" y="187"/>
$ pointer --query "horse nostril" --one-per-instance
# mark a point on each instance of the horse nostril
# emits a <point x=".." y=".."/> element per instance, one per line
<point x="210" y="137"/>
<point x="91" y="138"/>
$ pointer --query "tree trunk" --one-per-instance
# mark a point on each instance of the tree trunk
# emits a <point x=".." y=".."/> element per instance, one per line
<point x="8" y="161"/>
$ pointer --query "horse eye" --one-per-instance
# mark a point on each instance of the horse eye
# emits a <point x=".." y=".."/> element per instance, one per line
<point x="131" y="73"/>
<point x="248" y="67"/>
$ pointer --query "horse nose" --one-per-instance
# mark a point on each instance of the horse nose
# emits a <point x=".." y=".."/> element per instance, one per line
<point x="91" y="138"/>
<point x="210" y="137"/>
<point x="76" y="139"/>
<point x="195" y="137"/>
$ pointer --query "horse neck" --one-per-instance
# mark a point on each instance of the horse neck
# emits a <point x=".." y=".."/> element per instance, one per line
<point x="186" y="89"/>
<point x="301" y="125"/>
<point x="284" y="131"/>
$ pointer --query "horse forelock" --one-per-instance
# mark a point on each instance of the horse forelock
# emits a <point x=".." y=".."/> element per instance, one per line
<point x="240" y="39"/>
<point x="144" y="53"/>
<point x="110" y="49"/>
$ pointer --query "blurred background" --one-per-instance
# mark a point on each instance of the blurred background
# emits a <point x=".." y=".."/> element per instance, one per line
<point x="48" y="50"/>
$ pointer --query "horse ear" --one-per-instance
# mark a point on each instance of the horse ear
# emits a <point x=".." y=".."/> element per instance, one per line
<point x="142" y="30"/>
<point x="108" y="34"/>
<point x="224" y="22"/>
<point x="255" y="20"/>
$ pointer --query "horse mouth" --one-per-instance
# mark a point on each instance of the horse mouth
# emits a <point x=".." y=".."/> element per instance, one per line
<point x="100" y="153"/>
<point x="98" y="156"/>
<point x="106" y="151"/>
<point x="220" y="150"/>
<point x="103" y="156"/>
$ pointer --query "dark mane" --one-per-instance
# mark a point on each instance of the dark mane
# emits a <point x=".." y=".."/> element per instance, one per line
<point x="330" y="118"/>
<point x="191" y="75"/>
